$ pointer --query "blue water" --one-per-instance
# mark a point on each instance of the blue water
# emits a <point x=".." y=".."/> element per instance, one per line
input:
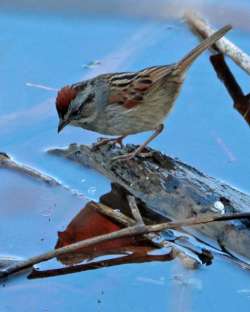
<point x="203" y="130"/>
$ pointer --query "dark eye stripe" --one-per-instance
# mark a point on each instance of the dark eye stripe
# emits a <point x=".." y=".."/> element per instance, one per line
<point x="77" y="113"/>
<point x="89" y="98"/>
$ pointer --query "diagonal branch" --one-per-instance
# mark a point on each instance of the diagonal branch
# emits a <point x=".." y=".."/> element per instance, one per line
<point x="135" y="210"/>
<point x="202" y="29"/>
<point x="130" y="231"/>
<point x="241" y="101"/>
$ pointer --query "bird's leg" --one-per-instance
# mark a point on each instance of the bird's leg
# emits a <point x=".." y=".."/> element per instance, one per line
<point x="137" y="151"/>
<point x="104" y="141"/>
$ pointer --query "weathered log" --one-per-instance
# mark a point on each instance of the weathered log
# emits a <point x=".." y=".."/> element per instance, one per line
<point x="173" y="189"/>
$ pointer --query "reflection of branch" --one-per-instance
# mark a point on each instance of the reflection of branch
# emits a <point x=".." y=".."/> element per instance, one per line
<point x="203" y="30"/>
<point x="129" y="231"/>
<point x="186" y="258"/>
<point x="241" y="102"/>
<point x="168" y="256"/>
<point x="126" y="221"/>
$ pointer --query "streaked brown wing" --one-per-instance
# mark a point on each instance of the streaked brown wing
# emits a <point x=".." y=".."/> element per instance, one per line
<point x="128" y="89"/>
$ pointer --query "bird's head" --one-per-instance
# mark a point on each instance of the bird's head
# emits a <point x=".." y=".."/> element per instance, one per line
<point x="74" y="104"/>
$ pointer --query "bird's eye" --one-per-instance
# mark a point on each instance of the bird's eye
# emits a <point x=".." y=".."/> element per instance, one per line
<point x="75" y="113"/>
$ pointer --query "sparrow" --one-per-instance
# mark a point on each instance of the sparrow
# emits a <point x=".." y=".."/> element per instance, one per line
<point x="125" y="103"/>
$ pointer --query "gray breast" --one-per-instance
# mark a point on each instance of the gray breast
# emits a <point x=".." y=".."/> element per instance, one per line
<point x="114" y="119"/>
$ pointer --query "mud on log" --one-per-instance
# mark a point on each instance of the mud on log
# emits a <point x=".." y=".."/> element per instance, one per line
<point x="173" y="189"/>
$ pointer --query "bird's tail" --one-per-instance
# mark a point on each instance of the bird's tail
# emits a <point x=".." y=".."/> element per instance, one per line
<point x="184" y="64"/>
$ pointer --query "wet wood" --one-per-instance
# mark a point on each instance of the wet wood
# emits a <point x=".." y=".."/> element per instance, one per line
<point x="96" y="219"/>
<point x="167" y="256"/>
<point x="92" y="221"/>
<point x="131" y="231"/>
<point x="191" y="259"/>
<point x="173" y="189"/>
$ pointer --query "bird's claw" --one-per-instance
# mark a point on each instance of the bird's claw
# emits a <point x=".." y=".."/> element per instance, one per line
<point x="130" y="156"/>
<point x="125" y="157"/>
<point x="104" y="141"/>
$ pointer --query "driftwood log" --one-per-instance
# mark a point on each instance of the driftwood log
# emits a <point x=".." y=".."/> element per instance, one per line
<point x="173" y="189"/>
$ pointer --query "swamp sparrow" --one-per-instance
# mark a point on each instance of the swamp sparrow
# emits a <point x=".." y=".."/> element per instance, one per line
<point x="120" y="104"/>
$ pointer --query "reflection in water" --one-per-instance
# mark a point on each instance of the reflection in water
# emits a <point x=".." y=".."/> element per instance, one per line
<point x="134" y="258"/>
<point x="89" y="222"/>
<point x="31" y="129"/>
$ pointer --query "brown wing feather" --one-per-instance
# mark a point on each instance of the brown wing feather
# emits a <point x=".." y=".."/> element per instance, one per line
<point x="128" y="89"/>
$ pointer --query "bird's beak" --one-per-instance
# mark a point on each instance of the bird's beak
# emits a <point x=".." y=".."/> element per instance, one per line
<point x="62" y="124"/>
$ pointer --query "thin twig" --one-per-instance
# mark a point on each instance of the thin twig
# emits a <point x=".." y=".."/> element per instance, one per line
<point x="201" y="28"/>
<point x="130" y="231"/>
<point x="7" y="162"/>
<point x="135" y="210"/>
<point x="185" y="258"/>
<point x="115" y="214"/>
<point x="127" y="221"/>
<point x="40" y="86"/>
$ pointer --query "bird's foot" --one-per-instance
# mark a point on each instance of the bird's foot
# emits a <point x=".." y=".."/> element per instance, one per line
<point x="131" y="155"/>
<point x="141" y="148"/>
<point x="104" y="141"/>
